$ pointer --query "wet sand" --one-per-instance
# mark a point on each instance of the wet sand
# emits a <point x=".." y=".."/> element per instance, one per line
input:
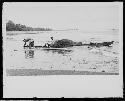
<point x="38" y="72"/>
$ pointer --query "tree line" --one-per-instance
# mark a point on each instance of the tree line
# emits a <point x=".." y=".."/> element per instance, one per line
<point x="11" y="26"/>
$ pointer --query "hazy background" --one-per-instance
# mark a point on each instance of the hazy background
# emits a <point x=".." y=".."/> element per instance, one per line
<point x="64" y="15"/>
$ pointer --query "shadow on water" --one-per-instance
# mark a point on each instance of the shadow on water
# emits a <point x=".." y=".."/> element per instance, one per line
<point x="63" y="52"/>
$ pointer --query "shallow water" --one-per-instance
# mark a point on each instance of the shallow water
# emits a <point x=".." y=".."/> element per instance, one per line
<point x="79" y="58"/>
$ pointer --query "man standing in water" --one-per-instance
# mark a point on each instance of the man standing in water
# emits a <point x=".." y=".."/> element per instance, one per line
<point x="29" y="42"/>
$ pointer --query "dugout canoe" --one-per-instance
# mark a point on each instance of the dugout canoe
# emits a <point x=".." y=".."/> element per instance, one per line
<point x="46" y="48"/>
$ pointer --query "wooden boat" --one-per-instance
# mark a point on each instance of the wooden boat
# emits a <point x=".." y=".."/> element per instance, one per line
<point x="63" y="44"/>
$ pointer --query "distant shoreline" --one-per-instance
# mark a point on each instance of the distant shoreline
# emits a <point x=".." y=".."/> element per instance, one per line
<point x="23" y="32"/>
<point x="35" y="32"/>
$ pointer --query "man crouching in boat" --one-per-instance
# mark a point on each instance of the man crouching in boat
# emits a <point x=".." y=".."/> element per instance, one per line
<point x="28" y="42"/>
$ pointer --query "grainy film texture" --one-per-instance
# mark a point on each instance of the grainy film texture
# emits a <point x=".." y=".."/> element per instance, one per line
<point x="61" y="39"/>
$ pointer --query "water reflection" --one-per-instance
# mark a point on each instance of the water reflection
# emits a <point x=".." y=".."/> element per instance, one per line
<point x="29" y="54"/>
<point x="63" y="52"/>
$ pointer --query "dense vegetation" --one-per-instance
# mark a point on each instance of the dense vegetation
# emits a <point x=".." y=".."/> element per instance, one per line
<point x="11" y="26"/>
<point x="62" y="43"/>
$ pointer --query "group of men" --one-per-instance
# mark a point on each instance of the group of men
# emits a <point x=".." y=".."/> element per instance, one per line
<point x="30" y="43"/>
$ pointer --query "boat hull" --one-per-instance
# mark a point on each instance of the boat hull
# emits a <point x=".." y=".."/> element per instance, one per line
<point x="45" y="48"/>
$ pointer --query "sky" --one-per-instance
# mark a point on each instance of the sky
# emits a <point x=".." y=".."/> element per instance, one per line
<point x="86" y="16"/>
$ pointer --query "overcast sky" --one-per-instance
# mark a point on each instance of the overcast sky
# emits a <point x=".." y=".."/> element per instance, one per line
<point x="86" y="16"/>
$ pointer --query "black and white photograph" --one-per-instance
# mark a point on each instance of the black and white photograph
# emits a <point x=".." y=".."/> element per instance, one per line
<point x="62" y="49"/>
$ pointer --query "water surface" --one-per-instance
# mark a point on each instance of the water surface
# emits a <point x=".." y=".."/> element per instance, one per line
<point x="78" y="58"/>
